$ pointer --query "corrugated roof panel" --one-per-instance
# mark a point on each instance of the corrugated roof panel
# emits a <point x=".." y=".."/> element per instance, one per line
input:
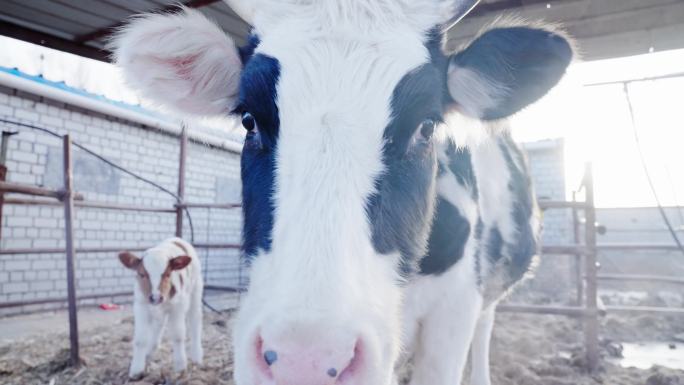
<point x="57" y="10"/>
<point x="36" y="27"/>
<point x="135" y="6"/>
<point x="235" y="27"/>
<point x="30" y="16"/>
<point x="110" y="14"/>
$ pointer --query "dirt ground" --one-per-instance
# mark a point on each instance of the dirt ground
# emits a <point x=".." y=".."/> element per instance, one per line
<point x="526" y="350"/>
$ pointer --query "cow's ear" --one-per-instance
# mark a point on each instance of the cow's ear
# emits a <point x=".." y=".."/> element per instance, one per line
<point x="181" y="61"/>
<point x="179" y="263"/>
<point x="129" y="260"/>
<point x="506" y="69"/>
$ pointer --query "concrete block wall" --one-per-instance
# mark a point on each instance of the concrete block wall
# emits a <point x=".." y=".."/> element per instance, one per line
<point x="35" y="158"/>
<point x="555" y="275"/>
<point x="547" y="166"/>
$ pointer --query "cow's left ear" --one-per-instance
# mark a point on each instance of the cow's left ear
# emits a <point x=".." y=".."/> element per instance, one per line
<point x="506" y="69"/>
<point x="179" y="263"/>
<point x="181" y="61"/>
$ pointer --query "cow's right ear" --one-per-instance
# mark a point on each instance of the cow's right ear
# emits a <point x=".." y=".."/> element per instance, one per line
<point x="129" y="260"/>
<point x="181" y="61"/>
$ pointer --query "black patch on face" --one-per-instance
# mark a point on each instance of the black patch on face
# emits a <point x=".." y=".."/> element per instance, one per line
<point x="461" y="165"/>
<point x="479" y="229"/>
<point x="258" y="97"/>
<point x="401" y="210"/>
<point x="450" y="231"/>
<point x="495" y="244"/>
<point x="524" y="247"/>
<point x="247" y="51"/>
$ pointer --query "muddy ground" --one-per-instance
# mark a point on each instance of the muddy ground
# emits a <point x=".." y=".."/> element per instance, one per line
<point x="526" y="350"/>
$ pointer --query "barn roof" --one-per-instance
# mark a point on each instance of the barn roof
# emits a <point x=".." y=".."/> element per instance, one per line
<point x="604" y="28"/>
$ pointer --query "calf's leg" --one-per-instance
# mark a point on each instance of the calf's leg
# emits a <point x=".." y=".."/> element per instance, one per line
<point x="178" y="333"/>
<point x="444" y="341"/>
<point x="195" y="325"/>
<point x="157" y="325"/>
<point x="479" y="353"/>
<point x="141" y="341"/>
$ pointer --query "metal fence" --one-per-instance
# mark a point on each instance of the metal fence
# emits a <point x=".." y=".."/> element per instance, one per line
<point x="588" y="307"/>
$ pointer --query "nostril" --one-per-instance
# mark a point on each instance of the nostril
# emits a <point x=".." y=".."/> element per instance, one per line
<point x="151" y="298"/>
<point x="354" y="364"/>
<point x="270" y="357"/>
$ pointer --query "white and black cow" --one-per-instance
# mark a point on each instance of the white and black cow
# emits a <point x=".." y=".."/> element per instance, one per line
<point x="370" y="212"/>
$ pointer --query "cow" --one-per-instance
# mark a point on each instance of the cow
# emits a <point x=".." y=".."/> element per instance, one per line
<point x="168" y="287"/>
<point x="386" y="207"/>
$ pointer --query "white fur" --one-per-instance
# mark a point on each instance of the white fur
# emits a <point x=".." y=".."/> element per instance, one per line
<point x="323" y="266"/>
<point x="473" y="91"/>
<point x="150" y="320"/>
<point x="182" y="61"/>
<point x="440" y="313"/>
<point x="479" y="353"/>
<point x="359" y="17"/>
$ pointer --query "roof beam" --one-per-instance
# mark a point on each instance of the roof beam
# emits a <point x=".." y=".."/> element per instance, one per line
<point x="102" y="32"/>
<point x="50" y="41"/>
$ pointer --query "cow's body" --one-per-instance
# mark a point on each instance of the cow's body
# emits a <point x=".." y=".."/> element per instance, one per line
<point x="168" y="291"/>
<point x="483" y="241"/>
<point x="351" y="172"/>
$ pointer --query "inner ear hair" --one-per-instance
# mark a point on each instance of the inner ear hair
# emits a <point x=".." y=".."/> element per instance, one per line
<point x="178" y="263"/>
<point x="129" y="259"/>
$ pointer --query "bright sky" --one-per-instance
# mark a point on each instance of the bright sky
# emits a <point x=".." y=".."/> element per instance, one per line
<point x="595" y="124"/>
<point x="594" y="121"/>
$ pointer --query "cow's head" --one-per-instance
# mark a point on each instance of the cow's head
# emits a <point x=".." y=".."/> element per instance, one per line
<point x="153" y="272"/>
<point x="340" y="100"/>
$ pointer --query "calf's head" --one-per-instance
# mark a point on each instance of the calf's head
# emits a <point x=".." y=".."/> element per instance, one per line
<point x="340" y="100"/>
<point x="154" y="273"/>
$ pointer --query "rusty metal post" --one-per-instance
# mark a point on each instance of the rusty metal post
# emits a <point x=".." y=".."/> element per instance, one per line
<point x="68" y="199"/>
<point x="181" y="180"/>
<point x="578" y="278"/>
<point x="591" y="323"/>
<point x="3" y="169"/>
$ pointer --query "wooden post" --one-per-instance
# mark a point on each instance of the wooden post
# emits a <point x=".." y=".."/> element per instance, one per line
<point x="181" y="180"/>
<point x="591" y="323"/>
<point x="68" y="199"/>
<point x="579" y="276"/>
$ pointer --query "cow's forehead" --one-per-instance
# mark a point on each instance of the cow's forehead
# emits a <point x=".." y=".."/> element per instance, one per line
<point x="339" y="75"/>
<point x="155" y="261"/>
<point x="349" y="17"/>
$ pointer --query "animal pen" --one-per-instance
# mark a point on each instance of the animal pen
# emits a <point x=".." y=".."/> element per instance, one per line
<point x="587" y="307"/>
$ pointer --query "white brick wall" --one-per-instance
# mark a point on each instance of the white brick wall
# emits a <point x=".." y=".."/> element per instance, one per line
<point x="35" y="158"/>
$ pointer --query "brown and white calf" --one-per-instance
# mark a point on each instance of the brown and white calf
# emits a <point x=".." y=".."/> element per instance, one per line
<point x="372" y="221"/>
<point x="169" y="289"/>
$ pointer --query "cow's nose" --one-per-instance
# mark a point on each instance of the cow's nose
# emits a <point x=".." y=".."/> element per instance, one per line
<point x="156" y="299"/>
<point x="309" y="364"/>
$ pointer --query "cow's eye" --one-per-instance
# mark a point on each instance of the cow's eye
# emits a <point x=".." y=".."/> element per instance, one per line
<point x="142" y="275"/>
<point x="248" y="121"/>
<point x="427" y="128"/>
